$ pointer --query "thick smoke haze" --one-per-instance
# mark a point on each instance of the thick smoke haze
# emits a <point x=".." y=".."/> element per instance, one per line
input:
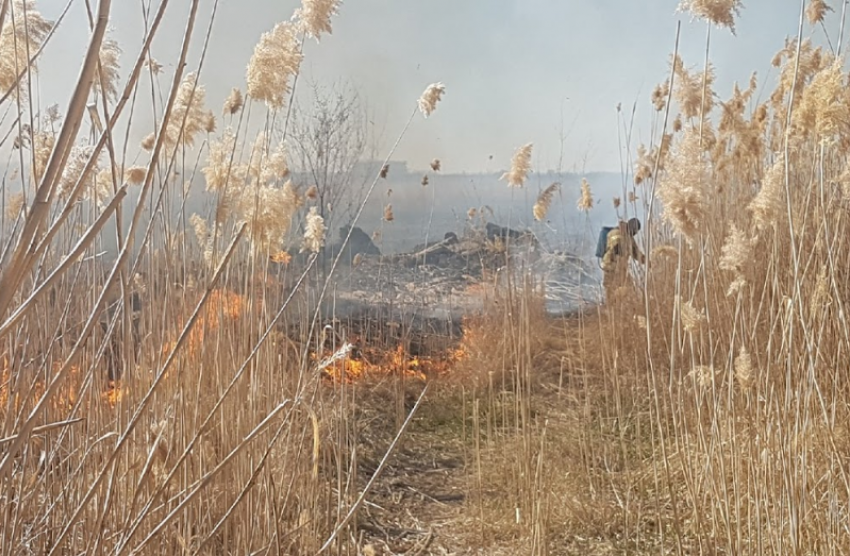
<point x="549" y="73"/>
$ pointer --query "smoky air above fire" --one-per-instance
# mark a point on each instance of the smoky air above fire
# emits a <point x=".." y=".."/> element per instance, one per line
<point x="444" y="205"/>
<point x="567" y="87"/>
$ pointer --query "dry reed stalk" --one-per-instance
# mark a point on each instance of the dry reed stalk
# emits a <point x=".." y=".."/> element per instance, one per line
<point x="11" y="277"/>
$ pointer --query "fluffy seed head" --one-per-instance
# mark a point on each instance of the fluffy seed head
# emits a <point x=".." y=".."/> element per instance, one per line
<point x="689" y="89"/>
<point x="219" y="169"/>
<point x="430" y="97"/>
<point x="276" y="59"/>
<point x="149" y="141"/>
<point x="275" y="165"/>
<point x="744" y="371"/>
<point x="424" y="180"/>
<point x="435" y="164"/>
<point x="816" y="11"/>
<point x="155" y="67"/>
<point x="719" y="12"/>
<point x="388" y="213"/>
<point x="109" y="54"/>
<point x="73" y="171"/>
<point x="282" y="257"/>
<point x="199" y="225"/>
<point x="233" y="103"/>
<point x="677" y="124"/>
<point x="823" y="108"/>
<point x="312" y="192"/>
<point x="209" y="122"/>
<point x="585" y="202"/>
<point x="659" y="96"/>
<point x="682" y="186"/>
<point x="520" y="166"/>
<point x="544" y="201"/>
<point x="19" y="41"/>
<point x="103" y="188"/>
<point x="42" y="147"/>
<point x="314" y="235"/>
<point x="692" y="319"/>
<point x="769" y="201"/>
<point x="269" y="219"/>
<point x="135" y="174"/>
<point x="314" y="16"/>
<point x="188" y="117"/>
<point x="736" y="252"/>
<point x="385" y="170"/>
<point x="735" y="256"/>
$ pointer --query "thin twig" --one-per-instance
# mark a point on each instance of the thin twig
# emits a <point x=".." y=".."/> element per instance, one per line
<point x="44" y="428"/>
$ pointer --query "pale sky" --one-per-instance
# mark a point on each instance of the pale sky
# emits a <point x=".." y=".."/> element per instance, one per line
<point x="516" y="71"/>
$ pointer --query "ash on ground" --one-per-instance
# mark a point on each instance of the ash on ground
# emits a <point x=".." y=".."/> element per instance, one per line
<point x="449" y="277"/>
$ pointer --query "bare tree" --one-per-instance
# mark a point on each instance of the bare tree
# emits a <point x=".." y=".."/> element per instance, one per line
<point x="328" y="139"/>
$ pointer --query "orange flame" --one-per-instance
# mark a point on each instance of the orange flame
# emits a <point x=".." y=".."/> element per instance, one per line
<point x="373" y="362"/>
<point x="114" y="394"/>
<point x="221" y="303"/>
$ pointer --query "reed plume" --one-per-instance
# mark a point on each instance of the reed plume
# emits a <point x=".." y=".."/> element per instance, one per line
<point x="233" y="103"/>
<point x="520" y="166"/>
<point x="585" y="200"/>
<point x="428" y="101"/>
<point x="682" y="187"/>
<point x="20" y="38"/>
<point x="135" y="174"/>
<point x="314" y="16"/>
<point x="109" y="67"/>
<point x="314" y="235"/>
<point x="816" y="11"/>
<point x="719" y="12"/>
<point x="276" y="59"/>
<point x="544" y="200"/>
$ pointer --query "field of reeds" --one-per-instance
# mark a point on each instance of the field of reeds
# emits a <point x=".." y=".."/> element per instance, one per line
<point x="191" y="391"/>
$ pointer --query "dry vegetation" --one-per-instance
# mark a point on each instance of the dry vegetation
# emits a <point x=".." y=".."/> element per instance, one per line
<point x="186" y="397"/>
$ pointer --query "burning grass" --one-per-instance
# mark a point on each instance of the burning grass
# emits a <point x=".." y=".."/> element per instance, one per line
<point x="212" y="408"/>
<point x="375" y="363"/>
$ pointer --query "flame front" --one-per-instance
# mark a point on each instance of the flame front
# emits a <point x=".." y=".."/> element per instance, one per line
<point x="376" y="363"/>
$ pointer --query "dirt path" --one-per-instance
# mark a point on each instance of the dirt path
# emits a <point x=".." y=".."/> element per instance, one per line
<point x="418" y="506"/>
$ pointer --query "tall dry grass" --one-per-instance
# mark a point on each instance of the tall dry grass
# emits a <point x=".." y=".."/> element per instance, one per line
<point x="166" y="399"/>
<point x="705" y="409"/>
<point x="748" y="399"/>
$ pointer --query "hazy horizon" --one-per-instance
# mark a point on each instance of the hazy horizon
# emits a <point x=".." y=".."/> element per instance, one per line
<point x="515" y="72"/>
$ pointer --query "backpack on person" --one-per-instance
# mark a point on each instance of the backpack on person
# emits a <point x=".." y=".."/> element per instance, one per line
<point x="602" y="242"/>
